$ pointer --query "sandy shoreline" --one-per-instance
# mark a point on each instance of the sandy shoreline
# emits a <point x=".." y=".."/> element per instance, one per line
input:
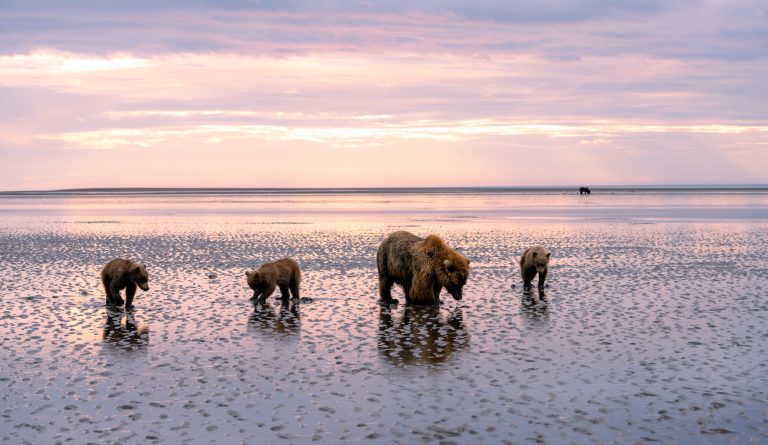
<point x="648" y="332"/>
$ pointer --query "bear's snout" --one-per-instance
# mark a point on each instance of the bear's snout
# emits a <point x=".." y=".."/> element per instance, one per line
<point x="144" y="287"/>
<point x="456" y="294"/>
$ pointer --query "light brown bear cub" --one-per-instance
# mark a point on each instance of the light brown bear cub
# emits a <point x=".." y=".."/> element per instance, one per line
<point x="283" y="273"/>
<point x="123" y="274"/>
<point x="534" y="260"/>
<point x="422" y="266"/>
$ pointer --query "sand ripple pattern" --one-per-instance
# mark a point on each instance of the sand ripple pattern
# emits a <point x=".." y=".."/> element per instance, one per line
<point x="646" y="333"/>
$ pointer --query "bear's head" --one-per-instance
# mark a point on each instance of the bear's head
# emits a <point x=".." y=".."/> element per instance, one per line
<point x="451" y="267"/>
<point x="540" y="258"/>
<point x="140" y="276"/>
<point x="453" y="274"/>
<point x="256" y="281"/>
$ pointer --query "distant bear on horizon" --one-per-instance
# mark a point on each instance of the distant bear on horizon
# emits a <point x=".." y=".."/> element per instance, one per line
<point x="422" y="266"/>
<point x="119" y="274"/>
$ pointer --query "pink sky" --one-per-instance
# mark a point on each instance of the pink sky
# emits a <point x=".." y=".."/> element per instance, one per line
<point x="351" y="94"/>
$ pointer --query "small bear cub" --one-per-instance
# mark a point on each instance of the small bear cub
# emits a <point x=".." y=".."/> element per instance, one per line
<point x="534" y="260"/>
<point x="123" y="274"/>
<point x="283" y="273"/>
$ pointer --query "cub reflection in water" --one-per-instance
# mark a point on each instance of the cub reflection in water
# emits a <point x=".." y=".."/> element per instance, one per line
<point x="122" y="331"/>
<point x="534" y="307"/>
<point x="285" y="321"/>
<point x="421" y="335"/>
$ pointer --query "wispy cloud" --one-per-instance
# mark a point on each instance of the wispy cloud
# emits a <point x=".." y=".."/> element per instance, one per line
<point x="606" y="82"/>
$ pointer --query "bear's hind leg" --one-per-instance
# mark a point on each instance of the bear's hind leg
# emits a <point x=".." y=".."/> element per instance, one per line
<point x="385" y="289"/>
<point x="130" y="291"/>
<point x="115" y="291"/>
<point x="106" y="284"/>
<point x="284" y="293"/>
<point x="294" y="288"/>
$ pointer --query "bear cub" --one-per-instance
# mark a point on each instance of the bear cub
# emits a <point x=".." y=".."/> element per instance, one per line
<point x="283" y="273"/>
<point x="125" y="274"/>
<point x="534" y="260"/>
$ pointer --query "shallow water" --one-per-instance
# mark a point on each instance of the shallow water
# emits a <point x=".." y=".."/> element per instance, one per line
<point x="652" y="328"/>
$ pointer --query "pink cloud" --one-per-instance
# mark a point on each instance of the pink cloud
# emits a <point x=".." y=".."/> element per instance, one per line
<point x="590" y="96"/>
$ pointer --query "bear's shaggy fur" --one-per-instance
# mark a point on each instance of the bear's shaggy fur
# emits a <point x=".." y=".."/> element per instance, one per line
<point x="123" y="274"/>
<point x="283" y="273"/>
<point x="422" y="266"/>
<point x="534" y="260"/>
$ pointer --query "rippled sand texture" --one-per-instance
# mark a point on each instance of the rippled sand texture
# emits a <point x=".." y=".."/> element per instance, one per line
<point x="646" y="332"/>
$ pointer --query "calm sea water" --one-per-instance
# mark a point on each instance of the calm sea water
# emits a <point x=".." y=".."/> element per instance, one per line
<point x="375" y="204"/>
<point x="654" y="326"/>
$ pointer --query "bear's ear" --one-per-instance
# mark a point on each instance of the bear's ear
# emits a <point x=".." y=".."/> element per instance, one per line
<point x="534" y="254"/>
<point x="548" y="254"/>
<point x="448" y="265"/>
<point x="137" y="269"/>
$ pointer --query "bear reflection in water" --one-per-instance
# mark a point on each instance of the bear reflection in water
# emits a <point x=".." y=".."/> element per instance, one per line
<point x="123" y="332"/>
<point x="421" y="335"/>
<point x="285" y="320"/>
<point x="534" y="307"/>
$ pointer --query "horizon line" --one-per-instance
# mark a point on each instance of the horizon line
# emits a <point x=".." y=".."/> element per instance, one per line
<point x="403" y="189"/>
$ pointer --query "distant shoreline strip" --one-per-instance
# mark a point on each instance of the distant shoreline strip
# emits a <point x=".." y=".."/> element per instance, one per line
<point x="705" y="189"/>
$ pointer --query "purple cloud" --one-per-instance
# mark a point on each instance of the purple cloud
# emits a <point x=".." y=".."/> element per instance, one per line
<point x="608" y="86"/>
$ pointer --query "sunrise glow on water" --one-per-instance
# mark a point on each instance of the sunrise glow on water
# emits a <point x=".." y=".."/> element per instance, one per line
<point x="653" y="305"/>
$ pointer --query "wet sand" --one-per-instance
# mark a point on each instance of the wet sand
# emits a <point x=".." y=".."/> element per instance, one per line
<point x="651" y="330"/>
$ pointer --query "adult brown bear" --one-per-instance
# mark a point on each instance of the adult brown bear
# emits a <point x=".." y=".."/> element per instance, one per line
<point x="422" y="266"/>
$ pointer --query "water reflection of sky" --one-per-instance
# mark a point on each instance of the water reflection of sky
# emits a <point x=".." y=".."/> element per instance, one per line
<point x="638" y="319"/>
<point x="114" y="209"/>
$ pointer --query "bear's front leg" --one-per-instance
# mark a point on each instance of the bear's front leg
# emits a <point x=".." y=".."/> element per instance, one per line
<point x="267" y="292"/>
<point x="436" y="288"/>
<point x="542" y="277"/>
<point x="422" y="290"/>
<point x="528" y="277"/>
<point x="130" y="291"/>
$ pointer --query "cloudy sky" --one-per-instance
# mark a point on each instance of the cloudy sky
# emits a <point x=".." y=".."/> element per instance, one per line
<point x="302" y="93"/>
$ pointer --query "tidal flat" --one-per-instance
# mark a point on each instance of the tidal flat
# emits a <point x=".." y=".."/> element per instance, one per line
<point x="653" y="326"/>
